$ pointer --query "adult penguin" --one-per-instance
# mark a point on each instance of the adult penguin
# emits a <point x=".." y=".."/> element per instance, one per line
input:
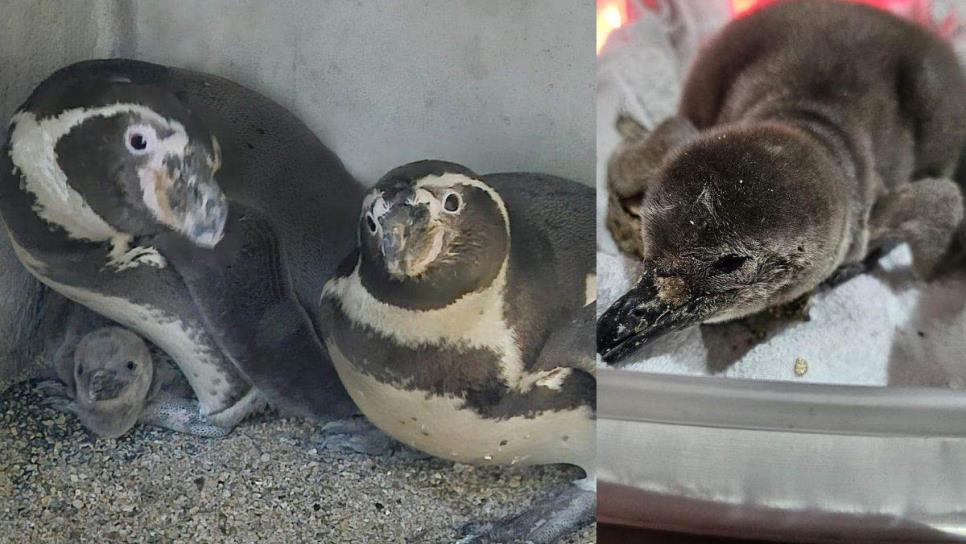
<point x="463" y="326"/>
<point x="193" y="211"/>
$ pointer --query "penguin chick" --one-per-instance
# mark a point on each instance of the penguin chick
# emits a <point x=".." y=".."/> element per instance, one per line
<point x="109" y="380"/>
<point x="792" y="159"/>
<point x="113" y="372"/>
<point x="442" y="326"/>
<point x="112" y="379"/>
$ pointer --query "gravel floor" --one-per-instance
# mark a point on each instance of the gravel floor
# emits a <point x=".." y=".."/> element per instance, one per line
<point x="266" y="482"/>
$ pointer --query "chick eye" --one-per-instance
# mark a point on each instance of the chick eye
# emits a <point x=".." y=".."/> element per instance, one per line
<point x="131" y="365"/>
<point x="370" y="222"/>
<point x="452" y="203"/>
<point x="729" y="263"/>
<point x="139" y="139"/>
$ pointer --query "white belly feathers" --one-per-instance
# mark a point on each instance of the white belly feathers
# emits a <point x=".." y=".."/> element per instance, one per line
<point x="476" y="320"/>
<point x="441" y="426"/>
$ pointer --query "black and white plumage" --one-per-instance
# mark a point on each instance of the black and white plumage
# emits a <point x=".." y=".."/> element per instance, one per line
<point x="437" y="323"/>
<point x="193" y="211"/>
<point x="812" y="136"/>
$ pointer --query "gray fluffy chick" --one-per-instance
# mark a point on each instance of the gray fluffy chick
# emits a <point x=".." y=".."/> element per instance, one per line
<point x="111" y="380"/>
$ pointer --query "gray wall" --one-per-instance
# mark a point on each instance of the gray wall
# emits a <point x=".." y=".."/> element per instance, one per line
<point x="39" y="36"/>
<point x="497" y="85"/>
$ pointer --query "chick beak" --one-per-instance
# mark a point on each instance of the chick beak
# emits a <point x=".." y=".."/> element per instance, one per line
<point x="103" y="385"/>
<point x="653" y="308"/>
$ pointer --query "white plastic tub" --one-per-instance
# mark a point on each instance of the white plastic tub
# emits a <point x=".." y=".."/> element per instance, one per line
<point x="781" y="460"/>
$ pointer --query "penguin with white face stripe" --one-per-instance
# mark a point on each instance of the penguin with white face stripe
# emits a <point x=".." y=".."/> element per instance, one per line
<point x="194" y="211"/>
<point x="462" y="326"/>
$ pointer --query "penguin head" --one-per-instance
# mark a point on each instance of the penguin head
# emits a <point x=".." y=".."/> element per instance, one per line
<point x="431" y="231"/>
<point x="739" y="220"/>
<point x="112" y="365"/>
<point x="108" y="153"/>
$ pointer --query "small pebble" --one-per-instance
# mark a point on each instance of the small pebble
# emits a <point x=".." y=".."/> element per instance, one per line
<point x="801" y="367"/>
<point x="256" y="484"/>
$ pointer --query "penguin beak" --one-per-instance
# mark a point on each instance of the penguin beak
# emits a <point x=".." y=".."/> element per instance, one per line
<point x="391" y="246"/>
<point x="410" y="241"/>
<point x="653" y="308"/>
<point x="103" y="385"/>
<point x="206" y="208"/>
<point x="187" y="197"/>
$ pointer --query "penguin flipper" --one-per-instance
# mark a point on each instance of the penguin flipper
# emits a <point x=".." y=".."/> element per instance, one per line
<point x="928" y="214"/>
<point x="244" y="293"/>
<point x="547" y="520"/>
<point x="630" y="170"/>
<point x="572" y="343"/>
<point x="57" y="395"/>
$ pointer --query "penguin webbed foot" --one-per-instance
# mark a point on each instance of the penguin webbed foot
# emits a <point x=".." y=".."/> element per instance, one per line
<point x="770" y="321"/>
<point x="357" y="435"/>
<point x="56" y="395"/>
<point x="547" y="520"/>
<point x="182" y="416"/>
<point x="793" y="310"/>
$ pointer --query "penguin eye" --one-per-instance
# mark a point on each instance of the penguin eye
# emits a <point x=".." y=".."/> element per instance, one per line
<point x="452" y="202"/>
<point x="139" y="139"/>
<point x="729" y="263"/>
<point x="371" y="222"/>
<point x="80" y="370"/>
<point x="138" y="142"/>
<point x="131" y="365"/>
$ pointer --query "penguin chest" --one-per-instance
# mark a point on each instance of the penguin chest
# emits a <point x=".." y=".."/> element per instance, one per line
<point x="445" y="426"/>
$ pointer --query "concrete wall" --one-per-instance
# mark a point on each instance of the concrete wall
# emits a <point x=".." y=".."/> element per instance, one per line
<point x="39" y="36"/>
<point x="497" y="85"/>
